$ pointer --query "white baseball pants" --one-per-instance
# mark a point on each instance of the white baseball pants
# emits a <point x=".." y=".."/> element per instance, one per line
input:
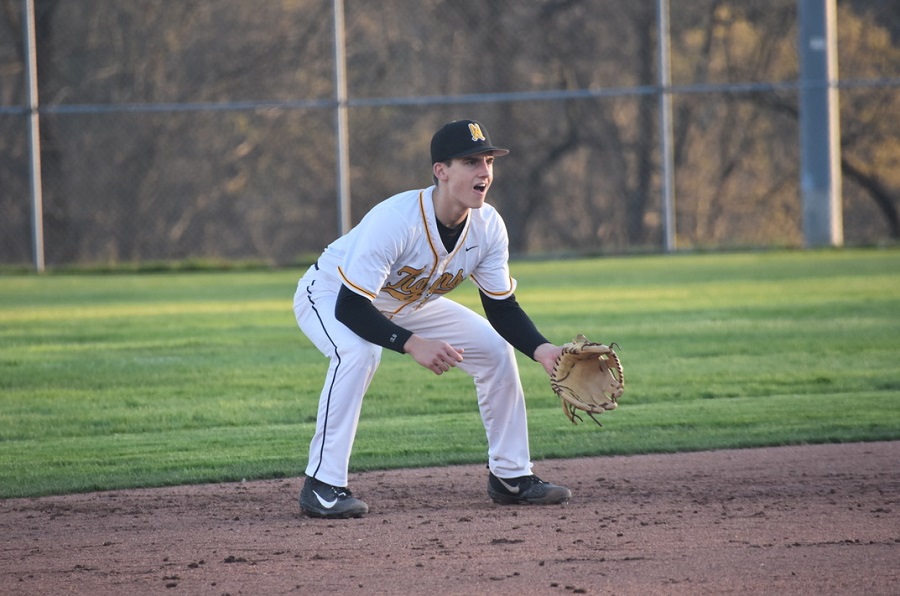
<point x="487" y="358"/>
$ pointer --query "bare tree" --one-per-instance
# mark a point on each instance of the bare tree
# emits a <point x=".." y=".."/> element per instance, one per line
<point x="142" y="173"/>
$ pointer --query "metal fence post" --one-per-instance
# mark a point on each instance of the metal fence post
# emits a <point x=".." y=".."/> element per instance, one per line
<point x="820" y="143"/>
<point x="665" y="125"/>
<point x="34" y="138"/>
<point x="341" y="119"/>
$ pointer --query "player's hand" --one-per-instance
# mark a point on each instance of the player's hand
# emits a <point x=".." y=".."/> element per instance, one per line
<point x="435" y="355"/>
<point x="547" y="354"/>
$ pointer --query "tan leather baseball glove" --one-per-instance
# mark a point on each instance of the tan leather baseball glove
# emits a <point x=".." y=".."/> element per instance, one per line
<point x="587" y="378"/>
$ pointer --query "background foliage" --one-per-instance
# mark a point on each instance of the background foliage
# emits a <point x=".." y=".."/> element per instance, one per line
<point x="177" y="130"/>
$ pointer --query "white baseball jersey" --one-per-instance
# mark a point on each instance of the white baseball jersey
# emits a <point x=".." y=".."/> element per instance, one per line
<point x="395" y="256"/>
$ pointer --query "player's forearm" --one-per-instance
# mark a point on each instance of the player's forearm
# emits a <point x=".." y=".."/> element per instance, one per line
<point x="361" y="317"/>
<point x="513" y="324"/>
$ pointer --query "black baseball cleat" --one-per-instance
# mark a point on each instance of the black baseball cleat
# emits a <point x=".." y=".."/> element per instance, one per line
<point x="526" y="489"/>
<point x="318" y="499"/>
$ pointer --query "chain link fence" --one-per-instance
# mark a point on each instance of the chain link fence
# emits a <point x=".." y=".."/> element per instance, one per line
<point x="206" y="130"/>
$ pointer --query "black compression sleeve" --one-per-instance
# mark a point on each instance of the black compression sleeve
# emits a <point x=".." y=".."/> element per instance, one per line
<point x="361" y="316"/>
<point x="513" y="324"/>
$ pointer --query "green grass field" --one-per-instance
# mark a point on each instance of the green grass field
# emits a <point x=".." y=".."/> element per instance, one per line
<point x="125" y="380"/>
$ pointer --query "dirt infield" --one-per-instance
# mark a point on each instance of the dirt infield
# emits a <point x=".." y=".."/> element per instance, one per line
<point x="793" y="520"/>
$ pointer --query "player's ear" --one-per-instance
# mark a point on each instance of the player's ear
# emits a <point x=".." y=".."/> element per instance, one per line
<point x="439" y="169"/>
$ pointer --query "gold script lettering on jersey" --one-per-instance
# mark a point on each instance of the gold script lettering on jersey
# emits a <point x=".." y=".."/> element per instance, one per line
<point x="412" y="285"/>
<point x="446" y="282"/>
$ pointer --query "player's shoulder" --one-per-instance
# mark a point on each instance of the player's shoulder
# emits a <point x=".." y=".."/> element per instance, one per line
<point x="488" y="210"/>
<point x="407" y="196"/>
<point x="487" y="214"/>
<point x="396" y="217"/>
<point x="404" y="202"/>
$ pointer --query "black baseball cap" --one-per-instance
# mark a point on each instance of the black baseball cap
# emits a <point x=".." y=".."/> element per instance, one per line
<point x="460" y="138"/>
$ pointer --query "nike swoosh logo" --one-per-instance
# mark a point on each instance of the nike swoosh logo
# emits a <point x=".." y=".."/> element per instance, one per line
<point x="513" y="489"/>
<point x="468" y="248"/>
<point x="323" y="502"/>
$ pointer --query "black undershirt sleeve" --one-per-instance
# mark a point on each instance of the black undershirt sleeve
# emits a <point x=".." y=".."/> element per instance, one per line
<point x="360" y="316"/>
<point x="513" y="324"/>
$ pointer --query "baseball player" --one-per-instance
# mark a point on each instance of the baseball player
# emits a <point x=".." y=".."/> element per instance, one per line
<point x="382" y="285"/>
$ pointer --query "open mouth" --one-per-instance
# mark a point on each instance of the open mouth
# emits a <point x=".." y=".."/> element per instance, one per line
<point x="482" y="187"/>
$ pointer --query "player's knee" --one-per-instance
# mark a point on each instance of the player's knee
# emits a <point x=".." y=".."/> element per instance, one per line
<point x="495" y="347"/>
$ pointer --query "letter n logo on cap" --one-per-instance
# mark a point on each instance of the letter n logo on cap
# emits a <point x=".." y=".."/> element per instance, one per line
<point x="477" y="135"/>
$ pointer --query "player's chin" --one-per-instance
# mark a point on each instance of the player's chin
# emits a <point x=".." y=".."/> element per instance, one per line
<point x="479" y="197"/>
